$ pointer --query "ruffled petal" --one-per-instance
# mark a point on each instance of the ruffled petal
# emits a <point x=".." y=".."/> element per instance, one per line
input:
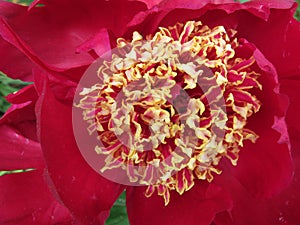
<point x="151" y="3"/>
<point x="19" y="146"/>
<point x="63" y="28"/>
<point x="17" y="151"/>
<point x="284" y="207"/>
<point x="278" y="4"/>
<point x="198" y="206"/>
<point x="266" y="20"/>
<point x="25" y="199"/>
<point x="265" y="167"/>
<point x="88" y="195"/>
<point x="21" y="115"/>
<point x="22" y="65"/>
<point x="212" y="12"/>
<point x="291" y="88"/>
<point x="281" y="209"/>
<point x="281" y="32"/>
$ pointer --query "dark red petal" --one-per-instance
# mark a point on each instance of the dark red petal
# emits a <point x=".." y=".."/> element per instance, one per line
<point x="257" y="21"/>
<point x="281" y="209"/>
<point x="291" y="87"/>
<point x="195" y="207"/>
<point x="18" y="139"/>
<point x="100" y="43"/>
<point x="280" y="4"/>
<point x="247" y="210"/>
<point x="88" y="195"/>
<point x="151" y="3"/>
<point x="265" y="167"/>
<point x="277" y="38"/>
<point x="21" y="115"/>
<point x="63" y="87"/>
<point x="26" y="94"/>
<point x="266" y="20"/>
<point x="285" y="207"/>
<point x="22" y="66"/>
<point x="25" y="199"/>
<point x="17" y="151"/>
<point x="56" y="30"/>
<point x="212" y="14"/>
<point x="223" y="218"/>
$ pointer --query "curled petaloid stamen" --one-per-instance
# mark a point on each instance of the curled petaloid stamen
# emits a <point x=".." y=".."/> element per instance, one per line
<point x="167" y="108"/>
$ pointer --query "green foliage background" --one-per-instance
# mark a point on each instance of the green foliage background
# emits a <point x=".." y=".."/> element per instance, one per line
<point x="8" y="86"/>
<point x="118" y="214"/>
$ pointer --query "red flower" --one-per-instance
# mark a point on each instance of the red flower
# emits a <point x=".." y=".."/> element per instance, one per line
<point x="54" y="44"/>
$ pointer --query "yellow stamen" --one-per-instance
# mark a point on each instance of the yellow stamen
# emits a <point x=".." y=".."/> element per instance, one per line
<point x="157" y="107"/>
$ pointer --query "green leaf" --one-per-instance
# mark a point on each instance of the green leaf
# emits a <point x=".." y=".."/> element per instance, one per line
<point x="21" y="2"/>
<point x="297" y="14"/>
<point x="7" y="86"/>
<point x="118" y="213"/>
<point x="14" y="171"/>
<point x="241" y="1"/>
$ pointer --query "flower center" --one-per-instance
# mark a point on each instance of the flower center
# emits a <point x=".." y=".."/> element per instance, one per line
<point x="167" y="108"/>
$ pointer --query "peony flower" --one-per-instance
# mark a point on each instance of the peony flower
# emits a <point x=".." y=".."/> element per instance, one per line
<point x="191" y="108"/>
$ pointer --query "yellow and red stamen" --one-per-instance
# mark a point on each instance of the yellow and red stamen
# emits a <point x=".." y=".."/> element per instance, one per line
<point x="169" y="107"/>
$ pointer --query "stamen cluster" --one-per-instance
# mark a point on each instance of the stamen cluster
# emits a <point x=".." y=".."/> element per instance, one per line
<point x="169" y="107"/>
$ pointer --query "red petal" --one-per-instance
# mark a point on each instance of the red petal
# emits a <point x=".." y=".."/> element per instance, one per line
<point x="291" y="87"/>
<point x="26" y="94"/>
<point x="267" y="20"/>
<point x="19" y="146"/>
<point x="22" y="65"/>
<point x="285" y="207"/>
<point x="265" y="167"/>
<point x="280" y="4"/>
<point x="151" y="3"/>
<point x="197" y="206"/>
<point x="277" y="38"/>
<point x="223" y="218"/>
<point x="17" y="151"/>
<point x="63" y="28"/>
<point x="100" y="43"/>
<point x="214" y="14"/>
<point x="21" y="115"/>
<point x="279" y="210"/>
<point x="25" y="199"/>
<point x="88" y="195"/>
